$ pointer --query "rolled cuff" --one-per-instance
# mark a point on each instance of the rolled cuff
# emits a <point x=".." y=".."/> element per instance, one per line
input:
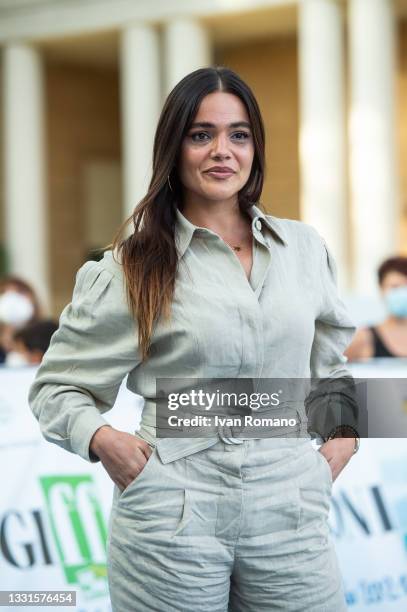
<point x="85" y="427"/>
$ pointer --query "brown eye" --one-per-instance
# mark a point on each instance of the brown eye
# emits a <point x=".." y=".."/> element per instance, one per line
<point x="194" y="137"/>
<point x="244" y="134"/>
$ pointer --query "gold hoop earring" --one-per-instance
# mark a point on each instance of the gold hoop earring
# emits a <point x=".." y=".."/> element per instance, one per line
<point x="168" y="180"/>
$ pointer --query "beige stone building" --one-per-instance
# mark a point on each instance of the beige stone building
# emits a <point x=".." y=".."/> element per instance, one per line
<point x="83" y="82"/>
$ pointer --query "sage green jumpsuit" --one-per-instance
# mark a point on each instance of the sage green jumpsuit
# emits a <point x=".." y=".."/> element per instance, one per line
<point x="222" y="522"/>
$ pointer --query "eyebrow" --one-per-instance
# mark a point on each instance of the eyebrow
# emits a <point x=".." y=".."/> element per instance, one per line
<point x="207" y="124"/>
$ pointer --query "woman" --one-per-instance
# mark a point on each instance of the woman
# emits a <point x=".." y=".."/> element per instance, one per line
<point x="214" y="289"/>
<point x="32" y="341"/>
<point x="389" y="338"/>
<point x="19" y="306"/>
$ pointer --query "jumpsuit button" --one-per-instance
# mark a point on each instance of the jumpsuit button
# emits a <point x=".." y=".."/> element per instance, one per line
<point x="257" y="224"/>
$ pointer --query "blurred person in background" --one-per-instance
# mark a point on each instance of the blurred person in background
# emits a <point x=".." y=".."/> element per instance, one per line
<point x="19" y="306"/>
<point x="31" y="341"/>
<point x="388" y="338"/>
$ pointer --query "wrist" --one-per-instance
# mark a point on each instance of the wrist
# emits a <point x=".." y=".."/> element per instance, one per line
<point x="345" y="431"/>
<point x="98" y="438"/>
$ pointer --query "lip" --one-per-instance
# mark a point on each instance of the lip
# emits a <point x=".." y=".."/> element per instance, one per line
<point x="219" y="175"/>
<point x="220" y="170"/>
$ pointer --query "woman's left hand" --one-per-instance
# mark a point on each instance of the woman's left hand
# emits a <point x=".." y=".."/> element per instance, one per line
<point x="338" y="453"/>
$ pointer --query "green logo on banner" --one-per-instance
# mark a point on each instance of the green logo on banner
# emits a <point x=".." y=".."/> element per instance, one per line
<point x="79" y="531"/>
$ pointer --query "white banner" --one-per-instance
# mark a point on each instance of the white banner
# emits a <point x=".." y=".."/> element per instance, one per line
<point x="54" y="510"/>
<point x="368" y="515"/>
<point x="54" y="507"/>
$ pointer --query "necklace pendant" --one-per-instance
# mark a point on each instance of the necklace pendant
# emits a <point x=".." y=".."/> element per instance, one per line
<point x="237" y="248"/>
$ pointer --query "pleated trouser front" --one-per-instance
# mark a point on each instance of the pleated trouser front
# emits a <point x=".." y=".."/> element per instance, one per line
<point x="232" y="528"/>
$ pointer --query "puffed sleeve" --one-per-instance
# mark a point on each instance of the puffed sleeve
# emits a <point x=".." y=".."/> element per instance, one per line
<point x="93" y="349"/>
<point x="333" y="399"/>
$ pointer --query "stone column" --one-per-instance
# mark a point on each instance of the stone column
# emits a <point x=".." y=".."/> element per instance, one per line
<point x="187" y="47"/>
<point x="323" y="126"/>
<point x="25" y="167"/>
<point x="373" y="158"/>
<point x="140" y="108"/>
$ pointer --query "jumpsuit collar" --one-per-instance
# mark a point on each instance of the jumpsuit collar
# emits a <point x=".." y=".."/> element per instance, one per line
<point x="184" y="229"/>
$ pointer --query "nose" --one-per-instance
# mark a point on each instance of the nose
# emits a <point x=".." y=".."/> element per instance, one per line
<point x="220" y="147"/>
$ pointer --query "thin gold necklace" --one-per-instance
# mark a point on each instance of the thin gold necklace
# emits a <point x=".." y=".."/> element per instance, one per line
<point x="233" y="246"/>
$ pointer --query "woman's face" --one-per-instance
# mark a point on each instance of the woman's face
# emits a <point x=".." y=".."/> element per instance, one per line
<point x="394" y="291"/>
<point x="393" y="280"/>
<point x="220" y="135"/>
<point x="16" y="305"/>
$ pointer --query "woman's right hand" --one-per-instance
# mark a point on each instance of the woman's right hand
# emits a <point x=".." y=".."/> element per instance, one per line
<point x="122" y="454"/>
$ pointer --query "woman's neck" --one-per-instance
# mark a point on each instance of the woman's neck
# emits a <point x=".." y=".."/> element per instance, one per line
<point x="222" y="218"/>
<point x="392" y="322"/>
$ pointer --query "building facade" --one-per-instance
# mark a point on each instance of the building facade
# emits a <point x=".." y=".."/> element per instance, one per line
<point x="83" y="83"/>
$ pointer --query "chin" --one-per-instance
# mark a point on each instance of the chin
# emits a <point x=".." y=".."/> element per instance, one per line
<point x="221" y="197"/>
<point x="223" y="191"/>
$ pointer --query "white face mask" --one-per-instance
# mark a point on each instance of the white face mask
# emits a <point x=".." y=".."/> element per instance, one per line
<point x="15" y="359"/>
<point x="396" y="301"/>
<point x="15" y="308"/>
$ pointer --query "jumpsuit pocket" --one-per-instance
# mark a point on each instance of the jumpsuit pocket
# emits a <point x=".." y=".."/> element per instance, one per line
<point x="141" y="476"/>
<point x="199" y="514"/>
<point x="186" y="513"/>
<point x="315" y="490"/>
<point x="327" y="467"/>
<point x="193" y="533"/>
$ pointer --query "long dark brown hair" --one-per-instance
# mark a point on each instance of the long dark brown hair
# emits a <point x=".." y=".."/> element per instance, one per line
<point x="149" y="255"/>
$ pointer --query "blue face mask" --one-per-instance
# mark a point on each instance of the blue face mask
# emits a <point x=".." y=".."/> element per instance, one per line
<point x="396" y="301"/>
